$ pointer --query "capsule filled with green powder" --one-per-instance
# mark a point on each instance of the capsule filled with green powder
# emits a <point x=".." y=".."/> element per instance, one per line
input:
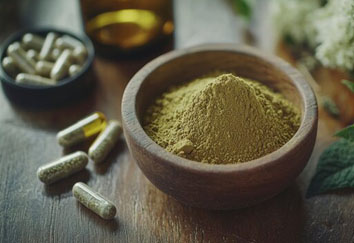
<point x="94" y="201"/>
<point x="105" y="141"/>
<point x="62" y="168"/>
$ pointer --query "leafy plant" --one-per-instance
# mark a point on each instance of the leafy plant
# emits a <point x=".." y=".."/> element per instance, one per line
<point x="347" y="133"/>
<point x="349" y="84"/>
<point x="330" y="106"/>
<point x="243" y="8"/>
<point x="335" y="167"/>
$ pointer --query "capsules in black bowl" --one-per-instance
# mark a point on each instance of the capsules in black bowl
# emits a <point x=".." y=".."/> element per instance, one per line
<point x="44" y="67"/>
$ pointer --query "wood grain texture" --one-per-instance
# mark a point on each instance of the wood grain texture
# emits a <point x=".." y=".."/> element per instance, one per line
<point x="30" y="212"/>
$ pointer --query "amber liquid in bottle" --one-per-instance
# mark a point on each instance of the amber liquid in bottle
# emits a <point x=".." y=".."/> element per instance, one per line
<point x="127" y="24"/>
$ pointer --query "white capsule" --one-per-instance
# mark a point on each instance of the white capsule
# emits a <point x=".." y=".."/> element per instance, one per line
<point x="80" y="54"/>
<point x="81" y="130"/>
<point x="105" y="141"/>
<point x="67" y="42"/>
<point x="59" y="43"/>
<point x="16" y="47"/>
<point x="61" y="66"/>
<point x="44" y="68"/>
<point x="62" y="167"/>
<point x="9" y="65"/>
<point x="55" y="54"/>
<point x="94" y="201"/>
<point x="31" y="41"/>
<point x="32" y="54"/>
<point x="31" y="79"/>
<point x="47" y="46"/>
<point x="21" y="60"/>
<point x="74" y="69"/>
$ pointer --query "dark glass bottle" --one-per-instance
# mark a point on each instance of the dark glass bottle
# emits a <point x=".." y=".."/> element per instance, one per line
<point x="127" y="25"/>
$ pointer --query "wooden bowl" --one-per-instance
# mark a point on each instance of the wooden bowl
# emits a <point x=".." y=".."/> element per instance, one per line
<point x="218" y="186"/>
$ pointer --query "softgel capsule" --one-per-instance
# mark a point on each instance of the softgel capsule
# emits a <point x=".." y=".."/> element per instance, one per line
<point x="81" y="130"/>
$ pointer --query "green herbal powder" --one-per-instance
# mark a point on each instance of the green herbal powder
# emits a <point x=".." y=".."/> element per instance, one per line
<point x="221" y="120"/>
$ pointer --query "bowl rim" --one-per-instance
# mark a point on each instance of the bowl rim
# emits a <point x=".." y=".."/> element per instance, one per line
<point x="16" y="36"/>
<point x="137" y="133"/>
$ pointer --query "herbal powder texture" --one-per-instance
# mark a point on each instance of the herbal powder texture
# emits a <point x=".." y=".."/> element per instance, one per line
<point x="221" y="120"/>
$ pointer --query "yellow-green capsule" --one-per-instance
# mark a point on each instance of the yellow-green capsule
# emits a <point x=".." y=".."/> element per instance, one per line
<point x="62" y="168"/>
<point x="94" y="201"/>
<point x="81" y="130"/>
<point x="105" y="141"/>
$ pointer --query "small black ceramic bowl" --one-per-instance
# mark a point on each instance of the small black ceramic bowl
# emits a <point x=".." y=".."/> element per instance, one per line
<point x="67" y="90"/>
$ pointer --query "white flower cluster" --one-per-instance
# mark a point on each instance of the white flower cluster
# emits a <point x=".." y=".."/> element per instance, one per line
<point x="329" y="30"/>
<point x="292" y="18"/>
<point x="334" y="25"/>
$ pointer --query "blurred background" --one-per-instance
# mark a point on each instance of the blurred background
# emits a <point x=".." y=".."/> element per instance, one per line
<point x="191" y="20"/>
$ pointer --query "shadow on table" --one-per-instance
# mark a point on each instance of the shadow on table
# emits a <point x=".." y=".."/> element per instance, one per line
<point x="66" y="185"/>
<point x="55" y="118"/>
<point x="280" y="219"/>
<point x="102" y="224"/>
<point x="83" y="146"/>
<point x="112" y="158"/>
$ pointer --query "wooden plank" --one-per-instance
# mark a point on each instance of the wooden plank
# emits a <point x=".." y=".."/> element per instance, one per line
<point x="30" y="212"/>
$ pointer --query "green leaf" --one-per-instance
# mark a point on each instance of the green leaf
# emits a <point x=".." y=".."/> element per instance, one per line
<point x="335" y="169"/>
<point x="289" y="40"/>
<point x="349" y="84"/>
<point x="244" y="8"/>
<point x="323" y="2"/>
<point x="330" y="106"/>
<point x="347" y="133"/>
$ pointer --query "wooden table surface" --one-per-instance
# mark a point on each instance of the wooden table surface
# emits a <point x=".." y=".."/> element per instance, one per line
<point x="31" y="212"/>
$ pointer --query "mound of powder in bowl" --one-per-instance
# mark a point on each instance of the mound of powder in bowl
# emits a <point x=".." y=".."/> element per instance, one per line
<point x="221" y="120"/>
